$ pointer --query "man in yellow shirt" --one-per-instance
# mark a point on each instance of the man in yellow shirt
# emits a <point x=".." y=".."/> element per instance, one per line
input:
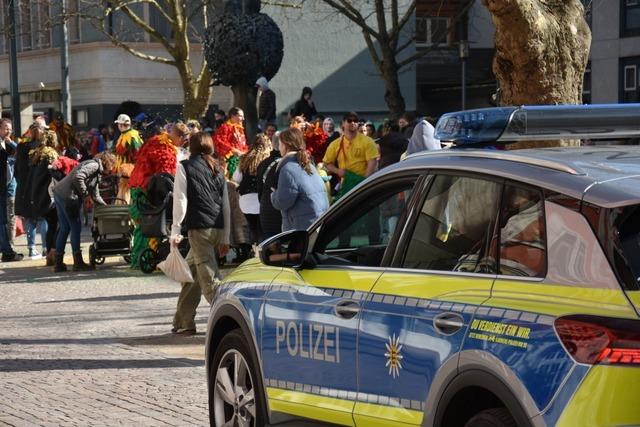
<point x="352" y="157"/>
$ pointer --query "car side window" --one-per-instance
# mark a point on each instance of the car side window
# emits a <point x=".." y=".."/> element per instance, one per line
<point x="522" y="233"/>
<point x="456" y="227"/>
<point x="361" y="235"/>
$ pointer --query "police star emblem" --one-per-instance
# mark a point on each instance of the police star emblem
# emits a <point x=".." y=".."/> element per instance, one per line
<point x="394" y="358"/>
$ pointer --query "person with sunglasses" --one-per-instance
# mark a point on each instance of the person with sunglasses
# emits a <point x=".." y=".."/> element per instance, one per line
<point x="352" y="157"/>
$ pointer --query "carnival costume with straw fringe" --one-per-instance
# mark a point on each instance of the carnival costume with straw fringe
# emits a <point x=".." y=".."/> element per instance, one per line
<point x="227" y="137"/>
<point x="157" y="155"/>
<point x="127" y="148"/>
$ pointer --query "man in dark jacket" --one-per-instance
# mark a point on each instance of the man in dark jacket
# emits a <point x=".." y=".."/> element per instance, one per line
<point x="8" y="254"/>
<point x="392" y="144"/>
<point x="270" y="217"/>
<point x="266" y="104"/>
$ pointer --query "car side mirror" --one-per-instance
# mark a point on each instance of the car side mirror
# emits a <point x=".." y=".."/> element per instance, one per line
<point x="288" y="249"/>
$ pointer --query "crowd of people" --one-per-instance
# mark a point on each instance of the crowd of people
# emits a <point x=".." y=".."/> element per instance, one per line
<point x="227" y="191"/>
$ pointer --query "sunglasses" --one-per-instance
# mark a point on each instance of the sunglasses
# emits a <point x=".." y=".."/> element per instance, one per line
<point x="352" y="121"/>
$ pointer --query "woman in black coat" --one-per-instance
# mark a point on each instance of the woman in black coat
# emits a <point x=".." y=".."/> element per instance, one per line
<point x="270" y="217"/>
<point x="305" y="106"/>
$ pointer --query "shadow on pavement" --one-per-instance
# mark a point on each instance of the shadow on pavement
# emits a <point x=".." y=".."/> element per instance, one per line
<point x="165" y="339"/>
<point x="135" y="297"/>
<point x="34" y="365"/>
<point x="43" y="274"/>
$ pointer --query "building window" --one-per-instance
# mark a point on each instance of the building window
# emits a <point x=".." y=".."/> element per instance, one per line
<point x="588" y="8"/>
<point x="629" y="88"/>
<point x="630" y="18"/>
<point x="432" y="31"/>
<point x="42" y="26"/>
<point x="25" y="25"/>
<point x="81" y="118"/>
<point x="73" y="21"/>
<point x="4" y="37"/>
<point x="630" y="74"/>
<point x="586" y="86"/>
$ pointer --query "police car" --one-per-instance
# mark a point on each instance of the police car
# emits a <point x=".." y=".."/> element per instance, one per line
<point x="467" y="287"/>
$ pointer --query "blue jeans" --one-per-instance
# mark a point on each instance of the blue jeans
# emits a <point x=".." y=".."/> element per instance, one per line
<point x="67" y="225"/>
<point x="33" y="225"/>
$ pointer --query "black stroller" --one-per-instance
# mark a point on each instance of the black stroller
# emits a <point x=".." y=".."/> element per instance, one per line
<point x="156" y="220"/>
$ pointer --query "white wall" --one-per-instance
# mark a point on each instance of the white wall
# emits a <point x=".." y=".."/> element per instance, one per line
<point x="328" y="53"/>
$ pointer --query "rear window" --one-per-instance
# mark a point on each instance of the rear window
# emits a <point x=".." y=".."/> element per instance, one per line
<point x="627" y="244"/>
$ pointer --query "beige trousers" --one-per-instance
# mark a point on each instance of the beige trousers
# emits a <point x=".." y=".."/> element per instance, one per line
<point x="203" y="261"/>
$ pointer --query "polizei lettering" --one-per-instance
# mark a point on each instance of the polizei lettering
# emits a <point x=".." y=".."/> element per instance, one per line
<point x="308" y="340"/>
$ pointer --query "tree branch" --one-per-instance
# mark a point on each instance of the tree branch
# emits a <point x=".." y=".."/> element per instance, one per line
<point x="424" y="52"/>
<point x="140" y="54"/>
<point x="405" y="18"/>
<point x="155" y="34"/>
<point x="372" y="51"/>
<point x="353" y="15"/>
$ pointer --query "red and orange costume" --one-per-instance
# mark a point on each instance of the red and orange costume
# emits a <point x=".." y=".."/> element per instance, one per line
<point x="228" y="137"/>
<point x="316" y="140"/>
<point x="157" y="155"/>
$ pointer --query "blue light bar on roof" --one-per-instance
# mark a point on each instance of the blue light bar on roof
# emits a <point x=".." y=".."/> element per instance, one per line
<point x="540" y="122"/>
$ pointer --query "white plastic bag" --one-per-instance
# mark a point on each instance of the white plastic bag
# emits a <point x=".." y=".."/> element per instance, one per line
<point x="175" y="267"/>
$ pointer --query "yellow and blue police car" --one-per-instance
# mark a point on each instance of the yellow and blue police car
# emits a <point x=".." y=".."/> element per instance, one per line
<point x="466" y="287"/>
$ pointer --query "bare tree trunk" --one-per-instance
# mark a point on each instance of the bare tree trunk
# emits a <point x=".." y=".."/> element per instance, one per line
<point x="244" y="97"/>
<point x="197" y="92"/>
<point x="542" y="49"/>
<point x="392" y="94"/>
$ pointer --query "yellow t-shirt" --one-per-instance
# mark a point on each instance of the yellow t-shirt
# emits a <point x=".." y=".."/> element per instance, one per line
<point x="352" y="155"/>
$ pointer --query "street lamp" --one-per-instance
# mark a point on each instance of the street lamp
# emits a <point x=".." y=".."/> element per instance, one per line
<point x="13" y="68"/>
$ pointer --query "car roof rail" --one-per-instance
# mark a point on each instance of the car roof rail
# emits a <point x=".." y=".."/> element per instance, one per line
<point x="492" y="126"/>
<point x="511" y="156"/>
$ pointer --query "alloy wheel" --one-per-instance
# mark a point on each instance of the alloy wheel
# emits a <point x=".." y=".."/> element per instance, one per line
<point x="234" y="394"/>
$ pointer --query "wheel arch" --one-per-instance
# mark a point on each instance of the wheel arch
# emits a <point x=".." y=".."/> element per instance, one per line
<point x="225" y="317"/>
<point x="475" y="369"/>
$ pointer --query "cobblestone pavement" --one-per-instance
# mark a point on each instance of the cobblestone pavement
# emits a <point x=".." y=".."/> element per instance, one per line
<point x="93" y="349"/>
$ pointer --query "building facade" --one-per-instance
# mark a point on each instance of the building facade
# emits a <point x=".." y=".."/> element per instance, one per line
<point x="322" y="50"/>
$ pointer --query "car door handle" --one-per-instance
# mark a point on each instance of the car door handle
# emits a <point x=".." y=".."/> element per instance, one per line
<point x="347" y="309"/>
<point x="448" y="323"/>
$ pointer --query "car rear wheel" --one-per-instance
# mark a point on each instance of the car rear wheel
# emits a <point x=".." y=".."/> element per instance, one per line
<point x="494" y="417"/>
<point x="235" y="398"/>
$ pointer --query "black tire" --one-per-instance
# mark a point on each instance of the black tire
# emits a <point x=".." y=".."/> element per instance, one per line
<point x="100" y="260"/>
<point x="494" y="417"/>
<point x="148" y="261"/>
<point x="234" y="342"/>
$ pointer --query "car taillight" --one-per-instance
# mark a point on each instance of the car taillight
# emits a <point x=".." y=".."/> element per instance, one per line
<point x="600" y="340"/>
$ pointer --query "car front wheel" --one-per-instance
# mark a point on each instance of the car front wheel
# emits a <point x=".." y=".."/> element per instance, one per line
<point x="234" y="396"/>
<point x="495" y="417"/>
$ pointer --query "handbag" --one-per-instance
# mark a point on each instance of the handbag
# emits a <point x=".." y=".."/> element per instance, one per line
<point x="19" y="226"/>
<point x="175" y="267"/>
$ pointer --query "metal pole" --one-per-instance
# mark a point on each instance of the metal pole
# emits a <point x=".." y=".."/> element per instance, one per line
<point x="13" y="69"/>
<point x="464" y="54"/>
<point x="64" y="63"/>
<point x="464" y="83"/>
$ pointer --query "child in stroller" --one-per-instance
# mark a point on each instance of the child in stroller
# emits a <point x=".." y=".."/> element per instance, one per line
<point x="156" y="220"/>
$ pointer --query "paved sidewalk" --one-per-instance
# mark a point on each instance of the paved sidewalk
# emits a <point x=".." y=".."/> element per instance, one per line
<point x="92" y="349"/>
